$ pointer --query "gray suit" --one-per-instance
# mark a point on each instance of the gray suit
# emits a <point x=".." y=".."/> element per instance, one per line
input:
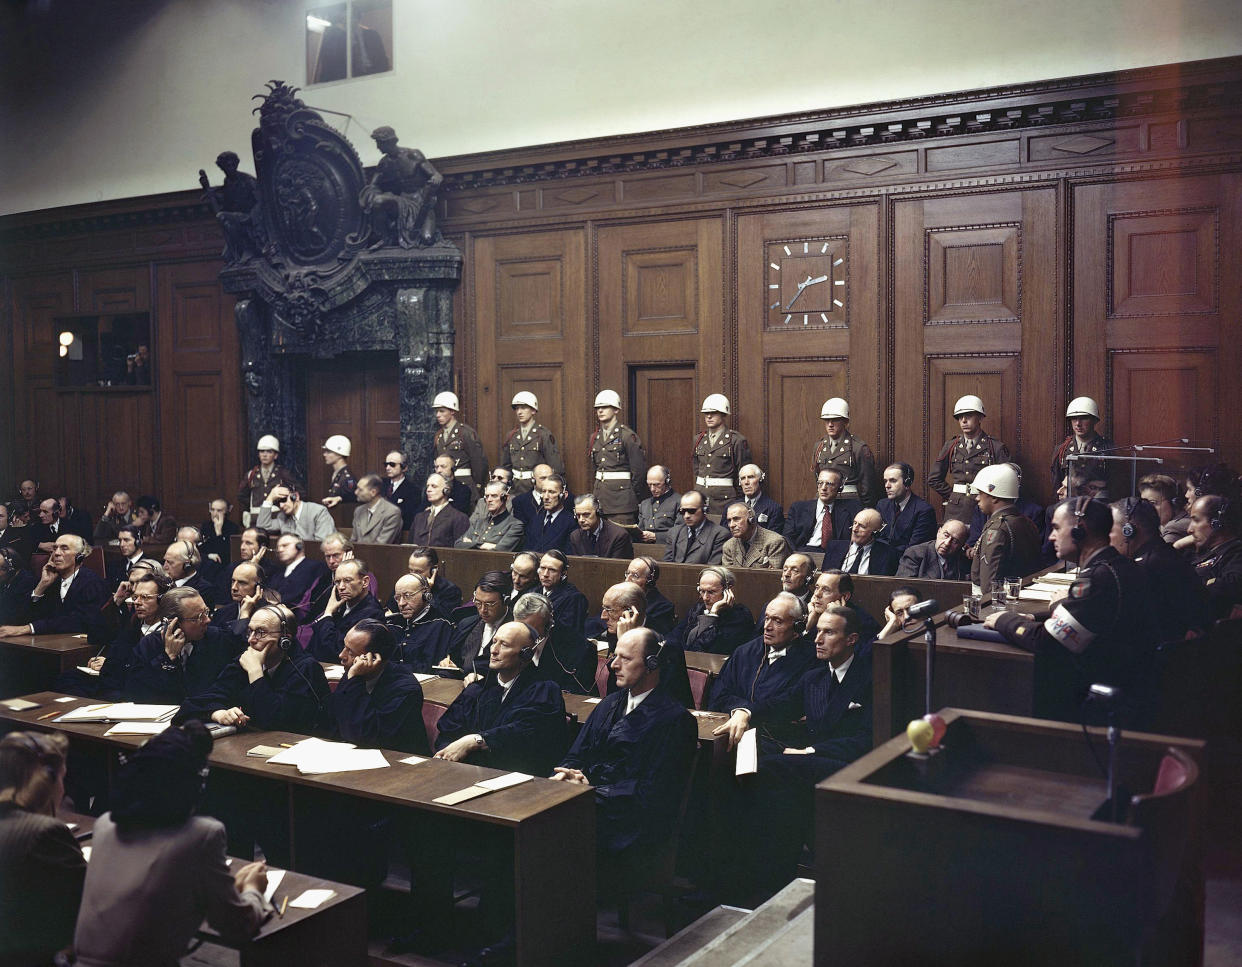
<point x="707" y="548"/>
<point x="383" y="526"/>
<point x="145" y="897"/>
<point x="505" y="532"/>
<point x="313" y="523"/>
<point x="767" y="549"/>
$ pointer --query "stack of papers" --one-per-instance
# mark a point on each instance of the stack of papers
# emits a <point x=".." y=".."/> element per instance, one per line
<point x="483" y="788"/>
<point x="87" y="670"/>
<point x="19" y="705"/>
<point x="315" y="757"/>
<point x="120" y="712"/>
<point x="137" y="728"/>
<point x="1058" y="577"/>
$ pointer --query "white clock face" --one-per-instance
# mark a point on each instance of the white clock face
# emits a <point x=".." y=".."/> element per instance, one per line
<point x="806" y="283"/>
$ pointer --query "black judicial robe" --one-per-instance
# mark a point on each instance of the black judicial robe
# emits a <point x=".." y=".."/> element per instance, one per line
<point x="389" y="716"/>
<point x="445" y="595"/>
<point x="674" y="677"/>
<point x="720" y="634"/>
<point x="423" y="642"/>
<point x="661" y="612"/>
<point x="748" y="680"/>
<point x="153" y="677"/>
<point x="569" y="605"/>
<point x="569" y="660"/>
<point x="291" y="697"/>
<point x="328" y="632"/>
<point x="638" y="764"/>
<point x="301" y="588"/>
<point x="525" y="732"/>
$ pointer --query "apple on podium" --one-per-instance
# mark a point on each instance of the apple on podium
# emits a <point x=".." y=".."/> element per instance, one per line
<point x="925" y="733"/>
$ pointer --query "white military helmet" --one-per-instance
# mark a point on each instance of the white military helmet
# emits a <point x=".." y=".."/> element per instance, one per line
<point x="607" y="397"/>
<point x="525" y="398"/>
<point x="969" y="404"/>
<point x="996" y="480"/>
<point x="1082" y="406"/>
<point x="338" y="444"/>
<point x="447" y="400"/>
<point x="835" y="409"/>
<point x="268" y="442"/>
<point x="716" y="403"/>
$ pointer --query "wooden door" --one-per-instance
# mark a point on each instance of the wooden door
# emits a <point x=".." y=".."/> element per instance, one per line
<point x="355" y="395"/>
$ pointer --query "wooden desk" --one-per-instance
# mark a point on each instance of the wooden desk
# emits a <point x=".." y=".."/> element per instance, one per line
<point x="332" y="934"/>
<point x="30" y="663"/>
<point x="551" y="824"/>
<point x="984" y="675"/>
<point x="987" y="852"/>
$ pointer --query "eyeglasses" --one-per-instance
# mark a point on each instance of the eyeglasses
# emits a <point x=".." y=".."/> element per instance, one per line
<point x="411" y="595"/>
<point x="605" y="609"/>
<point x="391" y="463"/>
<point x="688" y="510"/>
<point x="702" y="591"/>
<point x="634" y="576"/>
<point x="259" y="634"/>
<point x="201" y="616"/>
<point x="484" y="604"/>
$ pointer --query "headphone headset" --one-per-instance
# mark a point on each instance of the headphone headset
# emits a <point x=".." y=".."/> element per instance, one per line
<point x="287" y="620"/>
<point x="528" y="652"/>
<point x="1219" y="517"/>
<point x="1078" y="532"/>
<point x="83" y="553"/>
<point x="1128" y="507"/>
<point x="907" y="473"/>
<point x="799" y="624"/>
<point x="652" y="662"/>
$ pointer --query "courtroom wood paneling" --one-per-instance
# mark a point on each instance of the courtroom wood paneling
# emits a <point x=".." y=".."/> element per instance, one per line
<point x="201" y="437"/>
<point x="665" y="398"/>
<point x="355" y="395"/>
<point x="530" y="319"/>
<point x="976" y="311"/>
<point x="124" y="289"/>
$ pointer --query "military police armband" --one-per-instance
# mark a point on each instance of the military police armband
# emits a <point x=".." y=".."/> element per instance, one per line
<point x="1068" y="630"/>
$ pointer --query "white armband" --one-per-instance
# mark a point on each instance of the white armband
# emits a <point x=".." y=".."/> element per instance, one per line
<point x="1070" y="632"/>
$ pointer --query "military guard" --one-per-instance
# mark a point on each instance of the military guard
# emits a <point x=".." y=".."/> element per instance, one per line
<point x="618" y="463"/>
<point x="719" y="453"/>
<point x="841" y="449"/>
<point x="461" y="443"/>
<point x="263" y="476"/>
<point x="1009" y="544"/>
<point x="1083" y="414"/>
<point x="528" y="445"/>
<point x="962" y="457"/>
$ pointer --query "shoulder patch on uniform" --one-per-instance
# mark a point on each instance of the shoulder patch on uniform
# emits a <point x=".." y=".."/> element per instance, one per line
<point x="1080" y="588"/>
<point x="1068" y="630"/>
<point x="1021" y="630"/>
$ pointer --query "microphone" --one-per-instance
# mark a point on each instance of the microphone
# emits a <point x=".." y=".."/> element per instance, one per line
<point x="924" y="609"/>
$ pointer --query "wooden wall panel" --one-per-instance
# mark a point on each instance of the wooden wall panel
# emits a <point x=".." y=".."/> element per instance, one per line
<point x="355" y="395"/>
<point x="795" y="388"/>
<point x="1159" y="396"/>
<point x="531" y="320"/>
<point x="665" y="399"/>
<point x="124" y="289"/>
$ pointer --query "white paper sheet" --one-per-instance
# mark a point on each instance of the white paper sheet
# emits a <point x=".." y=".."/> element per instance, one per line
<point x="310" y="899"/>
<point x="137" y="728"/>
<point x="423" y="678"/>
<point x="413" y="760"/>
<point x="747" y="754"/>
<point x="306" y="749"/>
<point x="346" y="760"/>
<point x="505" y="781"/>
<point x="87" y="670"/>
<point x="86" y="853"/>
<point x="120" y="712"/>
<point x="273" y="880"/>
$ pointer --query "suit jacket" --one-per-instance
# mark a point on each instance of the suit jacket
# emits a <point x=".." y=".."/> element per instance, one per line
<point x="718" y="634"/>
<point x="41" y="874"/>
<point x="80" y="610"/>
<point x="525" y="731"/>
<point x="504" y="531"/>
<point x="449" y="524"/>
<point x="1181" y="600"/>
<point x="569" y="605"/>
<point x="150" y="891"/>
<point x="748" y="680"/>
<point x="381" y="526"/>
<point x="292" y="697"/>
<point x="526" y="507"/>
<point x="767" y="549"/>
<point x="708" y="544"/>
<point x="915" y="524"/>
<point x="661" y="612"/>
<point x="883" y="559"/>
<point x="922" y="561"/>
<point x="408" y="498"/>
<point x="115" y="571"/>
<point x="638" y="764"/>
<point x="313" y="523"/>
<point x="541" y="538"/>
<point x="152" y="677"/>
<point x="217" y="544"/>
<point x="467" y="641"/>
<point x="768" y="513"/>
<point x="328" y="631"/>
<point x="613" y="541"/>
<point x="388" y="715"/>
<point x="423" y="642"/>
<point x="800" y="522"/>
<point x="15" y="600"/>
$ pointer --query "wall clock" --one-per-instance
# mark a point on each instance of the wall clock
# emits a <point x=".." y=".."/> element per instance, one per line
<point x="806" y="282"/>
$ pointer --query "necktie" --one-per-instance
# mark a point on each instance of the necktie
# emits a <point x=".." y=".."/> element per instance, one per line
<point x="854" y="564"/>
<point x="547" y="521"/>
<point x="690" y="539"/>
<point x="825" y="530"/>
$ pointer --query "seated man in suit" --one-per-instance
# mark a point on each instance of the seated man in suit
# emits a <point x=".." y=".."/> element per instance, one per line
<point x="595" y="536"/>
<point x="812" y="524"/>
<point x="550" y="527"/>
<point x="761" y="675"/>
<point x="526" y="506"/>
<point x="14" y="535"/>
<point x="696" y="540"/>
<point x="623" y="609"/>
<point x="16" y="583"/>
<point x="183" y="656"/>
<point x="129" y="543"/>
<point x="285" y="511"/>
<point x="298" y="580"/>
<point x="425" y="562"/>
<point x="459" y="494"/>
<point x="635" y="749"/>
<point x="400" y="489"/>
<point x="440" y="524"/>
<point x="944" y="558"/>
<point x="468" y="651"/>
<point x="68" y="597"/>
<point x="181" y="563"/>
<point x="524" y="572"/>
<point x="658" y="514"/>
<point x="718" y="622"/>
<point x="351" y="601"/>
<point x="157" y="526"/>
<point x="513" y="718"/>
<point x="661" y="613"/>
<point x="768" y="513"/>
<point x="900" y="601"/>
<point x="862" y="553"/>
<point x="53" y="522"/>
<point x="798" y="576"/>
<point x="246" y="593"/>
<point x="562" y="655"/>
<point x="837" y="587"/>
<point x="423" y="633"/>
<point x="255" y="546"/>
<point x="568" y="603"/>
<point x="379" y="704"/>
<point x="272" y="684"/>
<point x="116" y="514"/>
<point x="908" y="518"/>
<point x="376" y="520"/>
<point x="497" y="530"/>
<point x="751" y="545"/>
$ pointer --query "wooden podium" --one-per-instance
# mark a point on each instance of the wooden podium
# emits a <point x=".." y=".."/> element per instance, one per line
<point x="987" y="852"/>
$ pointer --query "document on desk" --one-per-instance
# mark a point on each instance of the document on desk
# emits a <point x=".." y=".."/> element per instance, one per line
<point x="423" y="678"/>
<point x="413" y="760"/>
<point x="120" y="712"/>
<point x="264" y="751"/>
<point x="747" y="754"/>
<point x="19" y="705"/>
<point x="87" y="670"/>
<point x="316" y="757"/>
<point x="137" y="728"/>
<point x="273" y="880"/>
<point x="483" y="788"/>
<point x="310" y="899"/>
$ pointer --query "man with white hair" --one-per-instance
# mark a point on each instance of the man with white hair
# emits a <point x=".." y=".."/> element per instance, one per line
<point x="862" y="554"/>
<point x="423" y="633"/>
<point x="768" y="513"/>
<point x="942" y="558"/>
<point x="68" y="597"/>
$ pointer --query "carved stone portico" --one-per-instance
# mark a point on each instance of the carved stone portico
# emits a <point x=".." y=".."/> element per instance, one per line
<point x="321" y="287"/>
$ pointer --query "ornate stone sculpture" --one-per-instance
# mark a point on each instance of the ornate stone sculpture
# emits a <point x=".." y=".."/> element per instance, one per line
<point x="236" y="206"/>
<point x="401" y="199"/>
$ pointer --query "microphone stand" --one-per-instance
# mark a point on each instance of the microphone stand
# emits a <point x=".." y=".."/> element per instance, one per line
<point x="929" y="639"/>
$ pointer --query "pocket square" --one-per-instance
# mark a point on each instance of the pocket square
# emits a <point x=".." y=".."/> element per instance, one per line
<point x="853" y="705"/>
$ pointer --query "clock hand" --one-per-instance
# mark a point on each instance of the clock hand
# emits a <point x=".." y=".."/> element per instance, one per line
<point x="818" y="278"/>
<point x="801" y="286"/>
